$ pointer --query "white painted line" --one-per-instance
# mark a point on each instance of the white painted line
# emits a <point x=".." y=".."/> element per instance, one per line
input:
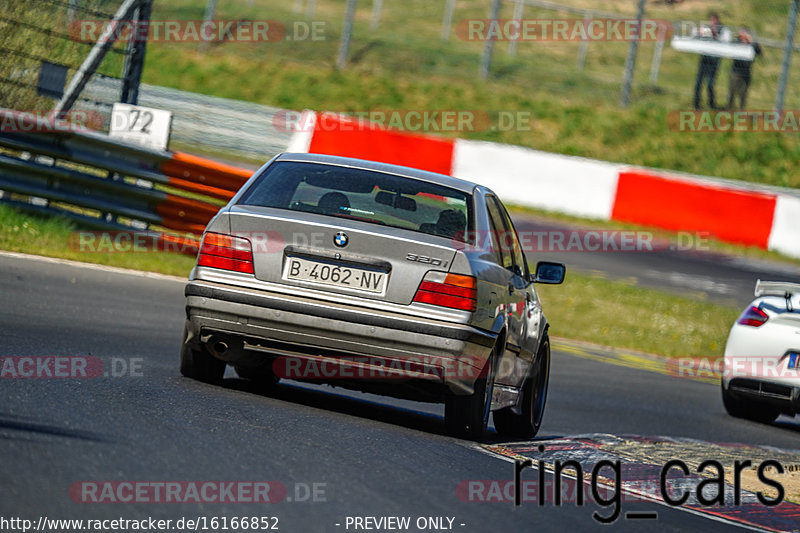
<point x="92" y="266"/>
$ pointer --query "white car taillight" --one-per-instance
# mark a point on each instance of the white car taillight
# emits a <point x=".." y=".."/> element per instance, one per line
<point x="753" y="316"/>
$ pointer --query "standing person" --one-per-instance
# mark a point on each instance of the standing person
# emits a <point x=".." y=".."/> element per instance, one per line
<point x="707" y="71"/>
<point x="740" y="71"/>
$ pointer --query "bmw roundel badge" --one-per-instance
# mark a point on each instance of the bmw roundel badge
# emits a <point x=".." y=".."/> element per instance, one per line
<point x="340" y="239"/>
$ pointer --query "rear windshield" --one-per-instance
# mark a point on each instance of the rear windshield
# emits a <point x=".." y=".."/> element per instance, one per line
<point x="364" y="195"/>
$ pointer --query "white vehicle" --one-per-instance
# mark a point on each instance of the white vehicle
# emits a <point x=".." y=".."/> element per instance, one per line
<point x="762" y="356"/>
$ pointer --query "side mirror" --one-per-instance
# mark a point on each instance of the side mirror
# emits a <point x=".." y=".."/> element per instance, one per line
<point x="549" y="273"/>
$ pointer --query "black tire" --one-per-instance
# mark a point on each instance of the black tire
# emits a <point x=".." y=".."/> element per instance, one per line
<point x="468" y="416"/>
<point x="262" y="375"/>
<point x="197" y="363"/>
<point x="750" y="410"/>
<point x="534" y="397"/>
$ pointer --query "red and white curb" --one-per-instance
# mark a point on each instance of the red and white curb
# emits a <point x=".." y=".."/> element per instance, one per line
<point x="761" y="216"/>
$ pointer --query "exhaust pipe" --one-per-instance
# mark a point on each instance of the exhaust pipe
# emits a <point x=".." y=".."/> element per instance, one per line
<point x="220" y="347"/>
<point x="224" y="347"/>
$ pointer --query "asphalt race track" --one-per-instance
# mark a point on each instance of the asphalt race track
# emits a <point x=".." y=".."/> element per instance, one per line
<point x="339" y="456"/>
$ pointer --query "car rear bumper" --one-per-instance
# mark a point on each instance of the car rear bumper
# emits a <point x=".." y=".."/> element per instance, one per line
<point x="354" y="343"/>
<point x="782" y="396"/>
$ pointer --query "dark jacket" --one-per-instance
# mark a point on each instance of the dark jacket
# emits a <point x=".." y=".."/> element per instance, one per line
<point x="742" y="67"/>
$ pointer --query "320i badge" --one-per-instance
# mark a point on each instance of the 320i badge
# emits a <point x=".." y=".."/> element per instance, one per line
<point x="394" y="280"/>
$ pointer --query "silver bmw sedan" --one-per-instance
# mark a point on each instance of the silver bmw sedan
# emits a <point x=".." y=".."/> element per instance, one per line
<point x="374" y="277"/>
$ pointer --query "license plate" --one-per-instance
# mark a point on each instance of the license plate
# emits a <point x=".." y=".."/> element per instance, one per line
<point x="794" y="357"/>
<point x="317" y="272"/>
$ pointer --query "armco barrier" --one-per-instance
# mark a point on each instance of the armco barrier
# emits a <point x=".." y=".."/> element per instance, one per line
<point x="739" y="216"/>
<point x="102" y="182"/>
<point x="766" y="217"/>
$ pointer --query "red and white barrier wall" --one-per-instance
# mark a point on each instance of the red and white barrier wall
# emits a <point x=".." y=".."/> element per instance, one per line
<point x="768" y="217"/>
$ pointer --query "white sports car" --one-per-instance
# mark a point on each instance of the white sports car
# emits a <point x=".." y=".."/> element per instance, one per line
<point x="762" y="356"/>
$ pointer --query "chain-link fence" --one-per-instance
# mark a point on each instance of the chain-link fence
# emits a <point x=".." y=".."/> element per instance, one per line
<point x="39" y="52"/>
<point x="449" y="37"/>
<point x="417" y="40"/>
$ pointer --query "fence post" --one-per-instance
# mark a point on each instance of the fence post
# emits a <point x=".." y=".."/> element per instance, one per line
<point x="655" y="66"/>
<point x="134" y="61"/>
<point x="584" y="47"/>
<point x="347" y="33"/>
<point x="488" y="47"/>
<point x="211" y="9"/>
<point x="630" y="62"/>
<point x="519" y="10"/>
<point x="787" y="56"/>
<point x="377" y="7"/>
<point x="447" y="21"/>
<point x="72" y="8"/>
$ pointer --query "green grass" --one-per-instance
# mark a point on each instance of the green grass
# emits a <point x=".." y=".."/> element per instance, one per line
<point x="619" y="314"/>
<point x="404" y="65"/>
<point x="57" y="237"/>
<point x="596" y="310"/>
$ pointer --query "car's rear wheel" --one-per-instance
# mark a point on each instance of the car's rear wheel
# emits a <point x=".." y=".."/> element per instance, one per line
<point x="262" y="374"/>
<point x="468" y="416"/>
<point x="751" y="410"/>
<point x="534" y="397"/>
<point x="197" y="363"/>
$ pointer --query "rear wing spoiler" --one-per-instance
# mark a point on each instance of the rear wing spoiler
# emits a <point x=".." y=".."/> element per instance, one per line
<point x="777" y="288"/>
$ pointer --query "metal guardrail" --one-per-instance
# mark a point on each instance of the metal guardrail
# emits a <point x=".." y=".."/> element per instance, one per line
<point x="206" y="123"/>
<point x="50" y="166"/>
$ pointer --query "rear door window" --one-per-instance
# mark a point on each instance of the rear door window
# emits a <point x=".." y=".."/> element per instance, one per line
<point x="497" y="234"/>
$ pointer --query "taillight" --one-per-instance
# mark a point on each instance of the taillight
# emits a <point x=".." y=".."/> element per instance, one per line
<point x="753" y="316"/>
<point x="454" y="291"/>
<point x="226" y="252"/>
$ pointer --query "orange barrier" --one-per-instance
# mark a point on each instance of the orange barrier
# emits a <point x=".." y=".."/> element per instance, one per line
<point x="342" y="136"/>
<point x="186" y="209"/>
<point x="666" y="202"/>
<point x="186" y="245"/>
<point x="205" y="171"/>
<point x="197" y="175"/>
<point x="197" y="188"/>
